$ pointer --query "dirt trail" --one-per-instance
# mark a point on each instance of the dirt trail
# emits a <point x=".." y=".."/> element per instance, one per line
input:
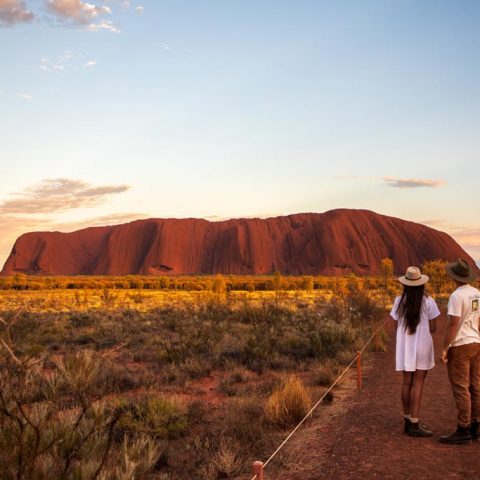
<point x="362" y="437"/>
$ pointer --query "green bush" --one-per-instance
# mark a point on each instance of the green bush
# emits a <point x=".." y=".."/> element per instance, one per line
<point x="154" y="415"/>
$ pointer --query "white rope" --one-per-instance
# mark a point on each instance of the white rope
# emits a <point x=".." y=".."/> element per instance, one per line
<point x="322" y="397"/>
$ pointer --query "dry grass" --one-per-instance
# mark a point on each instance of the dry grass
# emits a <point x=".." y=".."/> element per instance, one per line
<point x="187" y="378"/>
<point x="289" y="403"/>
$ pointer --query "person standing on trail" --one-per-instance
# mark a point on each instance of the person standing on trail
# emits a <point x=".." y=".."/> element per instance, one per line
<point x="461" y="352"/>
<point x="414" y="313"/>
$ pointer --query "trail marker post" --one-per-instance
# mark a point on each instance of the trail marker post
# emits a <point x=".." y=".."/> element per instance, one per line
<point x="258" y="470"/>
<point x="359" y="370"/>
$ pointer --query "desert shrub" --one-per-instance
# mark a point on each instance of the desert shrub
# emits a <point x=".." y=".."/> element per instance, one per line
<point x="362" y="308"/>
<point x="344" y="357"/>
<point x="324" y="335"/>
<point x="242" y="420"/>
<point x="230" y="383"/>
<point x="324" y="373"/>
<point x="137" y="456"/>
<point x="296" y="346"/>
<point x="195" y="368"/>
<point x="227" y="459"/>
<point x="118" y="379"/>
<point x="107" y="297"/>
<point x="155" y="415"/>
<point x="82" y="319"/>
<point x="379" y="344"/>
<point x="53" y="422"/>
<point x="288" y="403"/>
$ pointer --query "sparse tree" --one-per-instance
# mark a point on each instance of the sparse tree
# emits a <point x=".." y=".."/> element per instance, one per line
<point x="308" y="283"/>
<point x="219" y="284"/>
<point x="435" y="269"/>
<point x="386" y="271"/>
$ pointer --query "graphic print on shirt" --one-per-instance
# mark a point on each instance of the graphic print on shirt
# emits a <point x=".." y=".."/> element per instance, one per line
<point x="475" y="305"/>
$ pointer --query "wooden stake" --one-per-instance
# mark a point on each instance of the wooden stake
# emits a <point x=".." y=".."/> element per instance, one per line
<point x="359" y="370"/>
<point x="258" y="470"/>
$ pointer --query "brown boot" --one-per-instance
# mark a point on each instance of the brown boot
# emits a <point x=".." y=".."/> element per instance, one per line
<point x="475" y="430"/>
<point x="460" y="436"/>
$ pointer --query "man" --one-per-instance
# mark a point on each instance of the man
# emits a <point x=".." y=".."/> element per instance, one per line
<point x="461" y="352"/>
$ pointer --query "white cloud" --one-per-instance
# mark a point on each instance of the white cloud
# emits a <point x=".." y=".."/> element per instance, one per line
<point x="25" y="96"/>
<point x="59" y="194"/>
<point x="14" y="11"/>
<point x="83" y="13"/>
<point x="412" y="182"/>
<point x="65" y="63"/>
<point x="87" y="15"/>
<point x="76" y="10"/>
<point x="52" y="67"/>
<point x="106" y="25"/>
<point x="396" y="182"/>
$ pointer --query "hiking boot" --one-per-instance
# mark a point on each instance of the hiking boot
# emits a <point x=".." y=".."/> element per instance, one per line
<point x="475" y="430"/>
<point x="418" y="430"/>
<point x="460" y="436"/>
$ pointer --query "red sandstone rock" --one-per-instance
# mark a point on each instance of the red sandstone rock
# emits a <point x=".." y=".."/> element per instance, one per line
<point x="335" y="242"/>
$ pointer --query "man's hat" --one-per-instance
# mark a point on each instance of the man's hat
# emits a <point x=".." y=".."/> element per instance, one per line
<point x="461" y="271"/>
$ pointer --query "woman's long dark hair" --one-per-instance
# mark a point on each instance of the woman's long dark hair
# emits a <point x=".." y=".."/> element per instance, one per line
<point x="410" y="306"/>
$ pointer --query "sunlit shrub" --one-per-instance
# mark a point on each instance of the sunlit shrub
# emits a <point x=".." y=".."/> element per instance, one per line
<point x="288" y="403"/>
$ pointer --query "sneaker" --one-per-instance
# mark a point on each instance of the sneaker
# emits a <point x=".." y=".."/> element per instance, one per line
<point x="460" y="436"/>
<point x="418" y="430"/>
<point x="475" y="430"/>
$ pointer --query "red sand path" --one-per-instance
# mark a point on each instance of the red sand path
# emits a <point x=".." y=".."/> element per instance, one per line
<point x="361" y="438"/>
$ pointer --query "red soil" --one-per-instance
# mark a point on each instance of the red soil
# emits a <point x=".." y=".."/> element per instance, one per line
<point x="335" y="242"/>
<point x="366" y="440"/>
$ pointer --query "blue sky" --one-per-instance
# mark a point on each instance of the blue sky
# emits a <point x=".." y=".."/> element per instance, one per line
<point x="115" y="110"/>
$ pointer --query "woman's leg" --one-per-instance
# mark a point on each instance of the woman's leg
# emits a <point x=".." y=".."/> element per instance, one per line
<point x="406" y="392"/>
<point x="416" y="392"/>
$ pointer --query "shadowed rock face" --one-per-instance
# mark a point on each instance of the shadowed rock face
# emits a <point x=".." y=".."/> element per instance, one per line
<point x="335" y="242"/>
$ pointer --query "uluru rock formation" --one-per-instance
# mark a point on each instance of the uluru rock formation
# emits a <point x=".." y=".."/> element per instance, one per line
<point x="336" y="242"/>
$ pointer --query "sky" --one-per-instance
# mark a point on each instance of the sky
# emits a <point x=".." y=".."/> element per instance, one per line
<point x="116" y="110"/>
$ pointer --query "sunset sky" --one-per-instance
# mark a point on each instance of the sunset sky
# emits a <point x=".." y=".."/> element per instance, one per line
<point x="116" y="110"/>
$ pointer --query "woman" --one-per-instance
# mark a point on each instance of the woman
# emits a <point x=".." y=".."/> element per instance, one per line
<point x="414" y="313"/>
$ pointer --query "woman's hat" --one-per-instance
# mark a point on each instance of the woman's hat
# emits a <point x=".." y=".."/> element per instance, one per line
<point x="461" y="271"/>
<point x="413" y="277"/>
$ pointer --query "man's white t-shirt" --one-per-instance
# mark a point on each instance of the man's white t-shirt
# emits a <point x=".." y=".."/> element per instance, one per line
<point x="465" y="303"/>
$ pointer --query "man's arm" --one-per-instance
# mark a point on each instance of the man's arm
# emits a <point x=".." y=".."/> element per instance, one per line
<point x="450" y="334"/>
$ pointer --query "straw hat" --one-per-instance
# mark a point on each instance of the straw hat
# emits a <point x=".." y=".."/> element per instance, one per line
<point x="460" y="271"/>
<point x="413" y="277"/>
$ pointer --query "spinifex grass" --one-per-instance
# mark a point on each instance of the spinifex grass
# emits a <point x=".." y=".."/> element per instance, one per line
<point x="177" y="389"/>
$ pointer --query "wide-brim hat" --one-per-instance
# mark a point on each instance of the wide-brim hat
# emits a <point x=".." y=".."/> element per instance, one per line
<point x="413" y="277"/>
<point x="461" y="271"/>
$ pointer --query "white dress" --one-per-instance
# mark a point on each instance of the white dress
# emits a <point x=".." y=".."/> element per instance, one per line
<point x="415" y="351"/>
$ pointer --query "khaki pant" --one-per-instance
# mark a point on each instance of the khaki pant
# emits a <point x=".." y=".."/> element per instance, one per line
<point x="464" y="375"/>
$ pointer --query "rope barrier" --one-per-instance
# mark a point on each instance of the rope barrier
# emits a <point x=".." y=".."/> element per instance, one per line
<point x="258" y="467"/>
